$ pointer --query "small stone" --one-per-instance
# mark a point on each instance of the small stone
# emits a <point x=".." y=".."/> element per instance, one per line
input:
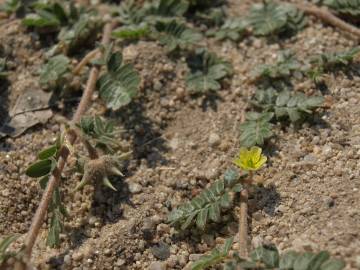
<point x="107" y="252"/>
<point x="148" y="228"/>
<point x="214" y="139"/>
<point x="135" y="188"/>
<point x="67" y="259"/>
<point x="180" y="93"/>
<point x="161" y="251"/>
<point x="120" y="262"/>
<point x="258" y="216"/>
<point x="157" y="266"/>
<point x="77" y="256"/>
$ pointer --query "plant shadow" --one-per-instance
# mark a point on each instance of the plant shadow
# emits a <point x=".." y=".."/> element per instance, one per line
<point x="266" y="198"/>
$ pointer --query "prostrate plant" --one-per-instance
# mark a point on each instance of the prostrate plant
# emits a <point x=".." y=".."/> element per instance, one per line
<point x="119" y="84"/>
<point x="285" y="66"/>
<point x="175" y="35"/>
<point x="215" y="257"/>
<point x="209" y="204"/>
<point x="344" y="7"/>
<point x="207" y="70"/>
<point x="287" y="104"/>
<point x="233" y="29"/>
<point x="267" y="257"/>
<point x="256" y="128"/>
<point x="329" y="61"/>
<point x="54" y="73"/>
<point x="10" y="6"/>
<point x="270" y="18"/>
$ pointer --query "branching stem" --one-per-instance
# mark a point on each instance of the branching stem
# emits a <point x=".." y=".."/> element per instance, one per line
<point x="71" y="137"/>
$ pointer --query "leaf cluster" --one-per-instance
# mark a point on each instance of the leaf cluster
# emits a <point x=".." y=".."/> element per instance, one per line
<point x="269" y="18"/>
<point x="233" y="29"/>
<point x="216" y="256"/>
<point x="102" y="132"/>
<point x="175" y="35"/>
<point x="344" y="7"/>
<point x="207" y="69"/>
<point x="53" y="74"/>
<point x="10" y="6"/>
<point x="209" y="204"/>
<point x="256" y="128"/>
<point x="288" y="104"/>
<point x="268" y="257"/>
<point x="285" y="66"/>
<point x="50" y="16"/>
<point x="328" y="61"/>
<point x="119" y="84"/>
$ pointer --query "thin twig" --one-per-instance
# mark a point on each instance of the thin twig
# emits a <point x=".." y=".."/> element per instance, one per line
<point x="88" y="57"/>
<point x="71" y="137"/>
<point x="325" y="15"/>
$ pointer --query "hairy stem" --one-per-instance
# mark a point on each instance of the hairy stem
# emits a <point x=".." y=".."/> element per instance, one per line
<point x="71" y="137"/>
<point x="325" y="15"/>
<point x="88" y="57"/>
<point x="243" y="224"/>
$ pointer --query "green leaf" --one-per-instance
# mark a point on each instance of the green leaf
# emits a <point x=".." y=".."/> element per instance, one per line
<point x="303" y="261"/>
<point x="82" y="33"/>
<point x="10" y="6"/>
<point x="53" y="74"/>
<point x="231" y="176"/>
<point x="41" y="19"/>
<point x="132" y="32"/>
<point x="201" y="218"/>
<point x="53" y="239"/>
<point x="333" y="264"/>
<point x="319" y="259"/>
<point x="175" y="35"/>
<point x="214" y="212"/>
<point x="268" y="255"/>
<point x="48" y="152"/>
<point x="43" y="181"/>
<point x="168" y="8"/>
<point x="285" y="66"/>
<point x="216" y="256"/>
<point x="256" y="129"/>
<point x="206" y="72"/>
<point x="118" y="86"/>
<point x="287" y="260"/>
<point x="270" y="18"/>
<point x="40" y="168"/>
<point x="344" y="7"/>
<point x="4" y="244"/>
<point x="233" y="29"/>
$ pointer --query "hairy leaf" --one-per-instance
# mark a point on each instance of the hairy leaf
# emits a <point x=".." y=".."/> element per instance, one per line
<point x="208" y="205"/>
<point x="168" y="8"/>
<point x="295" y="105"/>
<point x="206" y="71"/>
<point x="101" y="131"/>
<point x="344" y="7"/>
<point x="216" y="256"/>
<point x="133" y="32"/>
<point x="286" y="64"/>
<point x="53" y="73"/>
<point x="270" y="18"/>
<point x="119" y="85"/>
<point x="82" y="33"/>
<point x="10" y="6"/>
<point x="233" y="29"/>
<point x="175" y="35"/>
<point x="267" y="257"/>
<point x="256" y="129"/>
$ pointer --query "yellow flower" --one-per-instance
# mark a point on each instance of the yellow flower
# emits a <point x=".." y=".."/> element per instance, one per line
<point x="250" y="160"/>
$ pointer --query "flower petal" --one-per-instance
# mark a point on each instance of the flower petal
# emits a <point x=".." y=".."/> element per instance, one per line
<point x="261" y="162"/>
<point x="255" y="154"/>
